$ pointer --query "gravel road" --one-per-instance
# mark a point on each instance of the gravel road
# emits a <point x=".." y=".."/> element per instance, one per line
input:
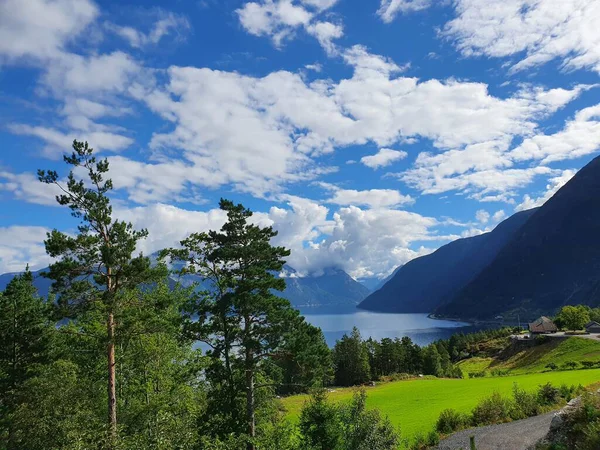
<point x="517" y="435"/>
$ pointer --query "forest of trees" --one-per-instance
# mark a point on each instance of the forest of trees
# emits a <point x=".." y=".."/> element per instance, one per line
<point x="113" y="358"/>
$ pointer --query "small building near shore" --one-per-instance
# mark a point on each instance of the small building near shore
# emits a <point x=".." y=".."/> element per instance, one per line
<point x="592" y="327"/>
<point x="542" y="325"/>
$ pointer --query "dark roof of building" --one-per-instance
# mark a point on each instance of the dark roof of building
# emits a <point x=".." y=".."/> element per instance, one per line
<point x="542" y="325"/>
<point x="592" y="324"/>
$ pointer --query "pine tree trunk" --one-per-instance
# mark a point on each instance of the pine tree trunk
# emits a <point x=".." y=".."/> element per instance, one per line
<point x="250" y="404"/>
<point x="112" y="384"/>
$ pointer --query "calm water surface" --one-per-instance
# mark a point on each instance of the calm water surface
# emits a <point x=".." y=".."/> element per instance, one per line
<point x="421" y="329"/>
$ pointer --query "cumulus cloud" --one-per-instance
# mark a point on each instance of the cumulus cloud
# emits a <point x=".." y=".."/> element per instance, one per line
<point x="541" y="29"/>
<point x="22" y="245"/>
<point x="389" y="9"/>
<point x="280" y="19"/>
<point x="554" y="184"/>
<point x="384" y="157"/>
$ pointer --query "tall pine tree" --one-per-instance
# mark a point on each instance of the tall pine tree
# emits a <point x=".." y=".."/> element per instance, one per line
<point x="97" y="265"/>
<point x="239" y="316"/>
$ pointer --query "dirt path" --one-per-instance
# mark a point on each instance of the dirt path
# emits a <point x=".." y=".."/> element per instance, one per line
<point x="517" y="435"/>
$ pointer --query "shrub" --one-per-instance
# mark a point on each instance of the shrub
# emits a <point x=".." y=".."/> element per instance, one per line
<point x="588" y="364"/>
<point x="548" y="395"/>
<point x="481" y="374"/>
<point x="570" y="365"/>
<point x="492" y="410"/>
<point x="451" y="421"/>
<point x="551" y="366"/>
<point x="433" y="438"/>
<point x="526" y="404"/>
<point x="500" y="372"/>
<point x="419" y="442"/>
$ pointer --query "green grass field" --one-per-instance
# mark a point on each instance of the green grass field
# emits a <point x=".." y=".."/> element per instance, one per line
<point x="414" y="405"/>
<point x="535" y="359"/>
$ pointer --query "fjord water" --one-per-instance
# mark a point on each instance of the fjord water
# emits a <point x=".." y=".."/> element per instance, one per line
<point x="420" y="328"/>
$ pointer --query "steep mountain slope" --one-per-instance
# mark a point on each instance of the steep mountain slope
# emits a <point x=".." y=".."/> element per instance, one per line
<point x="424" y="283"/>
<point x="553" y="260"/>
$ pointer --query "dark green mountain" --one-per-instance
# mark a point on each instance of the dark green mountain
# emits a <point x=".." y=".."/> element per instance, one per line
<point x="553" y="260"/>
<point x="424" y="283"/>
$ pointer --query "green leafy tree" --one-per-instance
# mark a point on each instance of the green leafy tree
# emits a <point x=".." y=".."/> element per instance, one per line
<point x="97" y="265"/>
<point x="574" y="317"/>
<point x="238" y="316"/>
<point x="351" y="360"/>
<point x="24" y="334"/>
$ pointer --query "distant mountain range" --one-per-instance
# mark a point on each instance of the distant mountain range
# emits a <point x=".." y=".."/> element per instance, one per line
<point x="333" y="288"/>
<point x="424" y="283"/>
<point x="532" y="263"/>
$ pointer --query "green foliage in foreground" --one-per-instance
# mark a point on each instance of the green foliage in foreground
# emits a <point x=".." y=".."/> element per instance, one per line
<point x="415" y="405"/>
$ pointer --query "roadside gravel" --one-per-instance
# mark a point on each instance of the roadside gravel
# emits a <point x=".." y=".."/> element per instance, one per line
<point x="518" y="435"/>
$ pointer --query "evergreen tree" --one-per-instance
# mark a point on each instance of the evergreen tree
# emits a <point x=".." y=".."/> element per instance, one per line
<point x="351" y="360"/>
<point x="97" y="265"/>
<point x="432" y="361"/>
<point x="239" y="317"/>
<point x="24" y="333"/>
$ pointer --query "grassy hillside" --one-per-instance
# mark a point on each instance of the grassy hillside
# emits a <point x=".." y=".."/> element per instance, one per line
<point x="535" y="359"/>
<point x="415" y="405"/>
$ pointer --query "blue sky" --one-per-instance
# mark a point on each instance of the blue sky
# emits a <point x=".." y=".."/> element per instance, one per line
<point x="367" y="133"/>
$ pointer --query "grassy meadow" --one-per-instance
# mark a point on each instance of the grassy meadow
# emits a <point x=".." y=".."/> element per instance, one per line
<point x="414" y="405"/>
<point x="535" y="359"/>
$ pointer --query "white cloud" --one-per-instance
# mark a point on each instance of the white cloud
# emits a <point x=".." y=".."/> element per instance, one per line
<point x="541" y="29"/>
<point x="22" y="245"/>
<point x="167" y="23"/>
<point x="58" y="143"/>
<point x="41" y="29"/>
<point x="384" y="157"/>
<point x="26" y="187"/>
<point x="280" y="19"/>
<point x="482" y="216"/>
<point x="372" y="198"/>
<point x="389" y="9"/>
<point x="326" y="33"/>
<point x="579" y="137"/>
<point x="554" y="184"/>
<point x="364" y="243"/>
<point x="499" y="215"/>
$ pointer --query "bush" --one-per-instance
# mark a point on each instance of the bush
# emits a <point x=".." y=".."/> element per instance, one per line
<point x="451" y="421"/>
<point x="570" y="365"/>
<point x="433" y="438"/>
<point x="492" y="410"/>
<point x="500" y="372"/>
<point x="551" y="366"/>
<point x="526" y="404"/>
<point x="548" y="395"/>
<point x="588" y="364"/>
<point x="481" y="374"/>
